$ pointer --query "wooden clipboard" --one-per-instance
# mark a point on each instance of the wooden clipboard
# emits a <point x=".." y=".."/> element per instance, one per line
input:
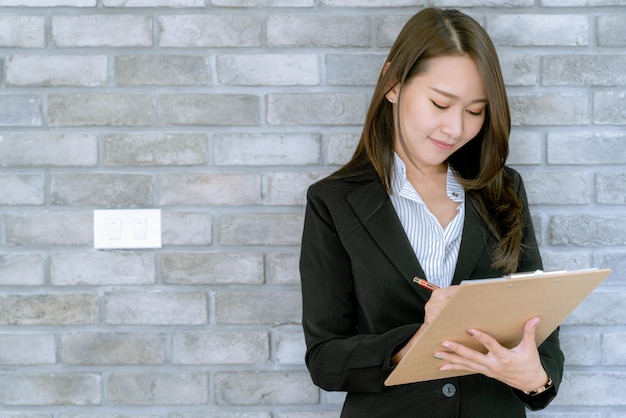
<point x="499" y="307"/>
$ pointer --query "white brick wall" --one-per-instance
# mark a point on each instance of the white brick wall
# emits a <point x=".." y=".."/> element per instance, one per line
<point x="221" y="113"/>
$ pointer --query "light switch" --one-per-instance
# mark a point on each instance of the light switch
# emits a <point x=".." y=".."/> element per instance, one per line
<point x="126" y="228"/>
<point x="140" y="228"/>
<point x="114" y="228"/>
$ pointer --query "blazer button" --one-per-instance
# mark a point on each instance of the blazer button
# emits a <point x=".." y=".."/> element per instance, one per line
<point x="448" y="390"/>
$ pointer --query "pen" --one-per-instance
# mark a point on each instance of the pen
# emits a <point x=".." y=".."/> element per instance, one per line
<point x="425" y="283"/>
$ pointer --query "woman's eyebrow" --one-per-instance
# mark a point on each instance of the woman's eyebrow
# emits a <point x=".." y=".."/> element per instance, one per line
<point x="455" y="97"/>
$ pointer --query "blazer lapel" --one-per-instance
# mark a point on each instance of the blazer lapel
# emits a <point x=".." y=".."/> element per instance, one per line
<point x="374" y="209"/>
<point x="472" y="243"/>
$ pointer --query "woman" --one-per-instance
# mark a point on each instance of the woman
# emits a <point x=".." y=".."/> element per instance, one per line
<point x="426" y="194"/>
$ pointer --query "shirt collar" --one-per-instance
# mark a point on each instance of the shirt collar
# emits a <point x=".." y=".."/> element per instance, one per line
<point x="454" y="190"/>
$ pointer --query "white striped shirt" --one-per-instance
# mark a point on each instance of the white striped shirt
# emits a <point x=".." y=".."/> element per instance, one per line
<point x="436" y="248"/>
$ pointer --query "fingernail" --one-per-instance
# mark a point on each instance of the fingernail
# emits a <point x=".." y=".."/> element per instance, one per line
<point x="446" y="345"/>
<point x="439" y="356"/>
<point x="470" y="332"/>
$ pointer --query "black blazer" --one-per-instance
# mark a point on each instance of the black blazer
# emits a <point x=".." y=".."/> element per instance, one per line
<point x="360" y="305"/>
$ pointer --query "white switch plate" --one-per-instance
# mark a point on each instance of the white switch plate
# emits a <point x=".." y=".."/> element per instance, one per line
<point x="126" y="228"/>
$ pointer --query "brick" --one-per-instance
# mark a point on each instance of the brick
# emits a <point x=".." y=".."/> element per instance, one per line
<point x="388" y="28"/>
<point x="549" y="109"/>
<point x="260" y="229"/>
<point x="609" y="30"/>
<point x="20" y="110"/>
<point x="576" y="387"/>
<point x="102" y="31"/>
<point x="209" y="31"/>
<point x="184" y="228"/>
<point x="112" y="348"/>
<point x="290" y="347"/>
<point x="197" y="348"/>
<point x="518" y="69"/>
<point x="586" y="148"/>
<point x="609" y="108"/>
<point x="264" y="388"/>
<point x="48" y="3"/>
<point x="22" y="189"/>
<point x="588" y="230"/>
<point x="48" y="389"/>
<point x="153" y="3"/>
<point x="581" y="348"/>
<point x="370" y="3"/>
<point x="581" y="3"/>
<point x="156" y="308"/>
<point x="100" y="110"/>
<point x="486" y="3"/>
<point x="162" y="70"/>
<point x="102" y="268"/>
<point x="546" y="187"/>
<point x="22" y="31"/>
<point x="316" y="109"/>
<point x="339" y="148"/>
<point x="208" y="109"/>
<point x="601" y="308"/>
<point x="212" y="268"/>
<point x="21" y="269"/>
<point x="284" y="268"/>
<point x="553" y="261"/>
<point x="209" y="189"/>
<point x="318" y="31"/>
<point x="149" y="150"/>
<point x="48" y="149"/>
<point x="302" y="414"/>
<point x="247" y="308"/>
<point x="151" y="388"/>
<point x="616" y="261"/>
<point x="27" y="349"/>
<point x="49" y="228"/>
<point x="268" y="69"/>
<point x="525" y="147"/>
<point x="611" y="188"/>
<point x="263" y="3"/>
<point x="289" y="188"/>
<point x="613" y="353"/>
<point x="266" y="149"/>
<point x="583" y="70"/>
<point x="354" y="69"/>
<point x="63" y="309"/>
<point x="56" y="70"/>
<point x="101" y="189"/>
<point x="539" y="30"/>
<point x="220" y="413"/>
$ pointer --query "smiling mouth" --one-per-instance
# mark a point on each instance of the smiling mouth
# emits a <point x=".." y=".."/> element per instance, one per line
<point x="441" y="145"/>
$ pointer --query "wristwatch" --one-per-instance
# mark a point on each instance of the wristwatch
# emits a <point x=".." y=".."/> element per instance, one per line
<point x="542" y="389"/>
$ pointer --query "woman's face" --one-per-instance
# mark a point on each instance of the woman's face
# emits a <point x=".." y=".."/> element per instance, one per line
<point x="441" y="110"/>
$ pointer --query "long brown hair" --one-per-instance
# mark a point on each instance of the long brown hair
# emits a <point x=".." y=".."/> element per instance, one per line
<point x="479" y="164"/>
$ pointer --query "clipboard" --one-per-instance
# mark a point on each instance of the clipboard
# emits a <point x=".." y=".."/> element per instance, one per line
<point x="499" y="307"/>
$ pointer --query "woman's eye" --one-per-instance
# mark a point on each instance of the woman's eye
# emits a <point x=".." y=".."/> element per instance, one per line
<point x="438" y="106"/>
<point x="475" y="113"/>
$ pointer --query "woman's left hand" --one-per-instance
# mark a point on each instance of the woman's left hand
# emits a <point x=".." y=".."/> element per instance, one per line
<point x="518" y="367"/>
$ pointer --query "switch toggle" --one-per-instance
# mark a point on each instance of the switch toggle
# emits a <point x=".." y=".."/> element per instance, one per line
<point x="126" y="228"/>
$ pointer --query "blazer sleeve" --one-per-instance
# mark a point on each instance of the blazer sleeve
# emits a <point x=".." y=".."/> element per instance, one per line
<point x="338" y="357"/>
<point x="550" y="353"/>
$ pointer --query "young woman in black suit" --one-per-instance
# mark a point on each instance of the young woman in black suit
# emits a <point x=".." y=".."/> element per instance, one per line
<point x="426" y="194"/>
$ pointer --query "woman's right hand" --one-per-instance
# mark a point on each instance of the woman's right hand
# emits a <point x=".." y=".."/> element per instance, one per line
<point x="438" y="300"/>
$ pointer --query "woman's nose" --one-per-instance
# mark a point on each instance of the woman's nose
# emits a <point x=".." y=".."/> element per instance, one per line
<point x="453" y="124"/>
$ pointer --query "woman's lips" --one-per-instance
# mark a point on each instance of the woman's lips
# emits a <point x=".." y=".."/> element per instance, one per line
<point x="441" y="145"/>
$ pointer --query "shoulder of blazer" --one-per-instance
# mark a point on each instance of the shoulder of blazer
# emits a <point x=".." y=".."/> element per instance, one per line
<point x="344" y="184"/>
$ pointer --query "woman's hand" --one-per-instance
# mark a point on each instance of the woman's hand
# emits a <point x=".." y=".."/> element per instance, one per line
<point x="518" y="367"/>
<point x="438" y="299"/>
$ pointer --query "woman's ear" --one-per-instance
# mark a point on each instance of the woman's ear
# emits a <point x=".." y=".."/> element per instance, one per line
<point x="392" y="90"/>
